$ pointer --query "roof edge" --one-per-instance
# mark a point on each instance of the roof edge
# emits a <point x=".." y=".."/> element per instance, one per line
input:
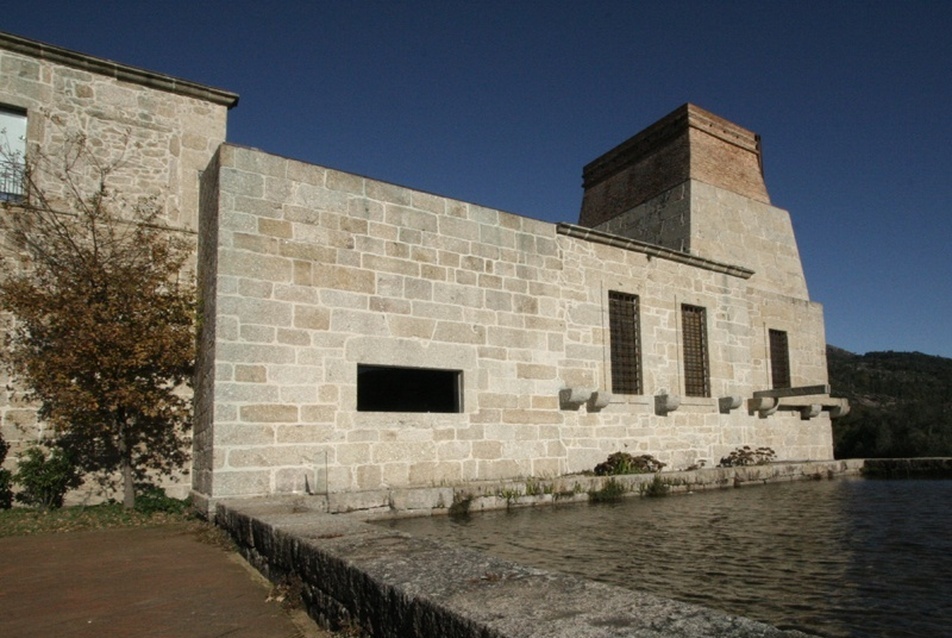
<point x="123" y="72"/>
<point x="661" y="133"/>
<point x="652" y="250"/>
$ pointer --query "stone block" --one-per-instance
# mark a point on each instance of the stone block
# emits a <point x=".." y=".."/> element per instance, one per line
<point x="253" y="266"/>
<point x="459" y="333"/>
<point x="231" y="434"/>
<point x="264" y="312"/>
<point x="246" y="393"/>
<point x="311" y="318"/>
<point x="402" y="452"/>
<point x="293" y="337"/>
<point x="410" y="327"/>
<point x="344" y="278"/>
<point x="244" y="483"/>
<point x="268" y="413"/>
<point x="256" y="334"/>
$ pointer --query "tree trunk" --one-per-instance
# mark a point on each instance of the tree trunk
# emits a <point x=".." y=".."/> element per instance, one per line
<point x="128" y="483"/>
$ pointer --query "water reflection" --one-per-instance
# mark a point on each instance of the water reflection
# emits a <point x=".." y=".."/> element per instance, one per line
<point x="834" y="558"/>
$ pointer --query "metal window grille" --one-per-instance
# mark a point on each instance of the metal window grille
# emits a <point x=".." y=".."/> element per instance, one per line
<point x="11" y="180"/>
<point x="697" y="380"/>
<point x="625" y="336"/>
<point x="12" y="153"/>
<point x="779" y="359"/>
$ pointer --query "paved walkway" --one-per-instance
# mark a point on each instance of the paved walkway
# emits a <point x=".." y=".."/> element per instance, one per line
<point x="148" y="582"/>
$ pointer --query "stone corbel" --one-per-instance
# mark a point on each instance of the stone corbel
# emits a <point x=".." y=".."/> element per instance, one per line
<point x="599" y="400"/>
<point x="764" y="406"/>
<point x="728" y="403"/>
<point x="665" y="403"/>
<point x="573" y="398"/>
<point x="807" y="412"/>
<point x="841" y="408"/>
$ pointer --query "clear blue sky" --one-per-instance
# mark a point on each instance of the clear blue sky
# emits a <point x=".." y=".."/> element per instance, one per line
<point x="502" y="103"/>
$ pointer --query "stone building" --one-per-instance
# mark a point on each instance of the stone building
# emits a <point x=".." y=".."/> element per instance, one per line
<point x="365" y="336"/>
<point x="158" y="132"/>
<point x="359" y="336"/>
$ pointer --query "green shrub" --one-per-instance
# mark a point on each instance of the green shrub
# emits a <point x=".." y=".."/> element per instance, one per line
<point x="6" y="478"/>
<point x="744" y="456"/>
<point x="611" y="491"/>
<point x="45" y="477"/>
<point x="624" y="463"/>
<point x="151" y="499"/>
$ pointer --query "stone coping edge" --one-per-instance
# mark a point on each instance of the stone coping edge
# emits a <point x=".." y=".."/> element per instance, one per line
<point x="652" y="250"/>
<point x="388" y="584"/>
<point x="479" y="496"/>
<point x="384" y="583"/>
<point x="122" y="72"/>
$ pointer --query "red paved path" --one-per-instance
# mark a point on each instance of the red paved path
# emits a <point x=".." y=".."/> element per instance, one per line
<point x="147" y="582"/>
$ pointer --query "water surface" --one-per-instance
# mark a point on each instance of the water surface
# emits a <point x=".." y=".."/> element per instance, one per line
<point x="848" y="557"/>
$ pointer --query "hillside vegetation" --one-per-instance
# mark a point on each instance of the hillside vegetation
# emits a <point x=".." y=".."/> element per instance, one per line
<point x="901" y="404"/>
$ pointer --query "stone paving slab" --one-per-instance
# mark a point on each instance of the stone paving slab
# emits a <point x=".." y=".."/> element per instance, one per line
<point x="146" y="582"/>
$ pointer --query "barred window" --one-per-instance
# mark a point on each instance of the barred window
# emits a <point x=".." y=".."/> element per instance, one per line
<point x="625" y="335"/>
<point x="12" y="153"/>
<point x="697" y="379"/>
<point x="779" y="359"/>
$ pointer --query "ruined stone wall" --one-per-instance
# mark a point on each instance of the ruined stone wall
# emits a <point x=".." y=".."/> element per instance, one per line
<point x="319" y="271"/>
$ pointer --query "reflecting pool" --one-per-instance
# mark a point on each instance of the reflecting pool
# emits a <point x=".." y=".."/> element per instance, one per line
<point x="845" y="557"/>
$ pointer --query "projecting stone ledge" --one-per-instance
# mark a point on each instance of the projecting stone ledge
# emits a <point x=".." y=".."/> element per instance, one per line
<point x="393" y="585"/>
<point x="809" y="401"/>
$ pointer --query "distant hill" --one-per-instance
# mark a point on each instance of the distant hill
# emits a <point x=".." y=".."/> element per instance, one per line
<point x="901" y="404"/>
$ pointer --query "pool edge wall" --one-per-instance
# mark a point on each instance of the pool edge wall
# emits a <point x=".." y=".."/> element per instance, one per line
<point x="388" y="584"/>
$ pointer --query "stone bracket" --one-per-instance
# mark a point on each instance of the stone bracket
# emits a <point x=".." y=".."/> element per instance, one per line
<point x="573" y="398"/>
<point x="764" y="406"/>
<point x="599" y="400"/>
<point x="665" y="403"/>
<point x="728" y="403"/>
<point x="809" y="401"/>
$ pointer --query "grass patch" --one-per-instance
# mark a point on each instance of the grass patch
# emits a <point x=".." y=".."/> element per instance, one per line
<point x="22" y="521"/>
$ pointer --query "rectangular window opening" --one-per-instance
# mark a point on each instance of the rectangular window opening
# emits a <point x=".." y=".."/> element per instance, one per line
<point x="779" y="359"/>
<point x="12" y="153"/>
<point x="399" y="389"/>
<point x="697" y="378"/>
<point x="625" y="336"/>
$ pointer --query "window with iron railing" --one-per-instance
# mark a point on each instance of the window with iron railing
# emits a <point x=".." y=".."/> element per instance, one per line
<point x="11" y="181"/>
<point x="625" y="336"/>
<point x="12" y="153"/>
<point x="697" y="377"/>
<point x="779" y="359"/>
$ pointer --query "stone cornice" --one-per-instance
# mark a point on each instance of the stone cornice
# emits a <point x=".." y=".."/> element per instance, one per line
<point x="600" y="237"/>
<point x="108" y="68"/>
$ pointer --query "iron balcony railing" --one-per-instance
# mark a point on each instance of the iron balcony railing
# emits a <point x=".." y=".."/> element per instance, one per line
<point x="11" y="180"/>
